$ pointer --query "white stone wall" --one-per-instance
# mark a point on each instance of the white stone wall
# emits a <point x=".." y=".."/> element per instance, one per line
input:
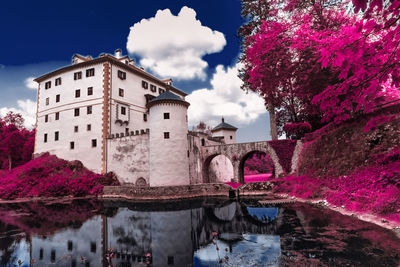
<point x="133" y="98"/>
<point x="169" y="164"/>
<point x="128" y="157"/>
<point x="227" y="135"/>
<point x="83" y="151"/>
<point x="82" y="239"/>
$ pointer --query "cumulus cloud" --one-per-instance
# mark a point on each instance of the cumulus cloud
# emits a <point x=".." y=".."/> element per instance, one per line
<point x="30" y="83"/>
<point x="27" y="108"/>
<point x="173" y="46"/>
<point x="224" y="98"/>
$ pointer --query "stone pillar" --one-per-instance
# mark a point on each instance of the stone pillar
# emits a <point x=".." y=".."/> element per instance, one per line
<point x="236" y="171"/>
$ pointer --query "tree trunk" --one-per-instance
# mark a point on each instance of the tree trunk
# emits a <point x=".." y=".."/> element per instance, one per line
<point x="272" y="122"/>
<point x="9" y="162"/>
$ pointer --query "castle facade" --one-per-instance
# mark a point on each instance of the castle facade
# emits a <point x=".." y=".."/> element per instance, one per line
<point x="114" y="116"/>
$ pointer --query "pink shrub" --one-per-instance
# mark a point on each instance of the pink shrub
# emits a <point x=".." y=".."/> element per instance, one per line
<point x="373" y="123"/>
<point x="284" y="150"/>
<point x="257" y="163"/>
<point x="49" y="176"/>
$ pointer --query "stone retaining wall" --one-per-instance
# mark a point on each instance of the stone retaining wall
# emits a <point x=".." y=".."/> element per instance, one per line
<point x="166" y="192"/>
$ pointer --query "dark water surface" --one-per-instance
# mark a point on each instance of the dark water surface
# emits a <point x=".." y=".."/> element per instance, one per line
<point x="190" y="233"/>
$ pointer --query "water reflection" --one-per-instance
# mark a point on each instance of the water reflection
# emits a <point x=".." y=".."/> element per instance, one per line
<point x="199" y="233"/>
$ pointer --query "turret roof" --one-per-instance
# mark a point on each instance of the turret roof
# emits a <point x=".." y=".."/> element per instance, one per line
<point x="224" y="126"/>
<point x="167" y="96"/>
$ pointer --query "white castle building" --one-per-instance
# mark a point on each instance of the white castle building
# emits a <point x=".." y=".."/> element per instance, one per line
<point x="114" y="116"/>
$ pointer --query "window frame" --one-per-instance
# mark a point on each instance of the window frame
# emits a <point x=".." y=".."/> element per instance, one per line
<point x="121" y="74"/>
<point x="56" y="136"/>
<point x="58" y="97"/>
<point x="166" y="135"/>
<point x="89" y="110"/>
<point x="123" y="110"/>
<point x="77" y="75"/>
<point x="145" y="85"/>
<point x="57" y="82"/>
<point x="90" y="72"/>
<point x="90" y="90"/>
<point x="77" y="93"/>
<point x="47" y="101"/>
<point x="94" y="142"/>
<point x="153" y="88"/>
<point x="57" y="116"/>
<point x="121" y="92"/>
<point x="47" y="85"/>
<point x="45" y="138"/>
<point x="166" y="116"/>
<point x="76" y="112"/>
<point x="72" y="145"/>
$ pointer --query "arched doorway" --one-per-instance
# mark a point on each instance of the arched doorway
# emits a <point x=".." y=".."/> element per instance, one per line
<point x="256" y="166"/>
<point x="218" y="169"/>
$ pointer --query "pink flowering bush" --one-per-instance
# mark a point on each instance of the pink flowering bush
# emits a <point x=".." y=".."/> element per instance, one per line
<point x="296" y="130"/>
<point x="258" y="163"/>
<point x="49" y="176"/>
<point x="374" y="122"/>
<point x="374" y="188"/>
<point x="284" y="150"/>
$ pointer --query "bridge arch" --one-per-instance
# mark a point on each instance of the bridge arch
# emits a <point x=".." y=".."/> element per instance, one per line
<point x="237" y="154"/>
<point x="245" y="158"/>
<point x="207" y="166"/>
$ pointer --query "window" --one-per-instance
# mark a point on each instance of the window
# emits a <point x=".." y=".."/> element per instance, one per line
<point x="127" y="131"/>
<point x="94" y="142"/>
<point x="153" y="88"/>
<point x="203" y="142"/>
<point x="57" y="98"/>
<point x="78" y="75"/>
<point x="89" y="109"/>
<point x="56" y="136"/>
<point x="69" y="241"/>
<point x="47" y="101"/>
<point x="145" y="117"/>
<point x="166" y="116"/>
<point x="123" y="110"/>
<point x="93" y="247"/>
<point x="71" y="145"/>
<point x="76" y="112"/>
<point x="47" y="85"/>
<point x="170" y="260"/>
<point x="76" y="129"/>
<point x="90" y="91"/>
<point x="160" y="91"/>
<point x="166" y="135"/>
<point x="41" y="254"/>
<point x="53" y="255"/>
<point x="46" y="118"/>
<point x="231" y="137"/>
<point x="90" y="72"/>
<point x="57" y="116"/>
<point x="45" y="138"/>
<point x="122" y="75"/>
<point x="121" y="92"/>
<point x="89" y="127"/>
<point x="58" y="81"/>
<point x="145" y="85"/>
<point x="77" y="92"/>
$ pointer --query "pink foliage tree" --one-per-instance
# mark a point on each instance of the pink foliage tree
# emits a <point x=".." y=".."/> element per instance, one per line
<point x="318" y="60"/>
<point x="16" y="142"/>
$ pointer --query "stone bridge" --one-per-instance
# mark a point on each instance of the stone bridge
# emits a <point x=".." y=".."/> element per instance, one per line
<point x="238" y="154"/>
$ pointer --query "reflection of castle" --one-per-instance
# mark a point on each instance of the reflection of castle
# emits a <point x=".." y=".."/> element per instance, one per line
<point x="114" y="116"/>
<point x="163" y="238"/>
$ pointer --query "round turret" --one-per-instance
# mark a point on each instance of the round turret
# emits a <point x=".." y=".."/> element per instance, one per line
<point x="169" y="162"/>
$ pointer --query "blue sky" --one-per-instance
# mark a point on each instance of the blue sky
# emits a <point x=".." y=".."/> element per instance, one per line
<point x="194" y="42"/>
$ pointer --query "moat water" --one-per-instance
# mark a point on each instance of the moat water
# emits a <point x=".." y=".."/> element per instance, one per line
<point x="189" y="233"/>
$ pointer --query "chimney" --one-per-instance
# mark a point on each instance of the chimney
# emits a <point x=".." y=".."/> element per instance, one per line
<point x="118" y="53"/>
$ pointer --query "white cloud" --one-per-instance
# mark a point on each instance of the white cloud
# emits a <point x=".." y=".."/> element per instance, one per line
<point x="173" y="46"/>
<point x="30" y="83"/>
<point x="27" y="108"/>
<point x="224" y="98"/>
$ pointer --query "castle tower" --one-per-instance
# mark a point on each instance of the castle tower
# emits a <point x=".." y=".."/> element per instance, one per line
<point x="169" y="162"/>
<point x="225" y="130"/>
